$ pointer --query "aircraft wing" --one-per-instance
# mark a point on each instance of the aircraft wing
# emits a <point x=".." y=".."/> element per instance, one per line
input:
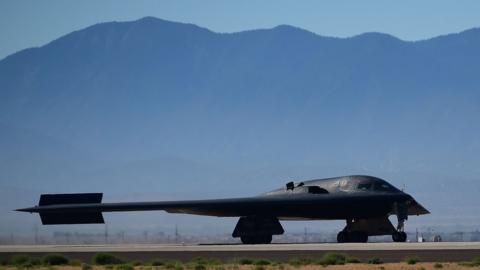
<point x="86" y="208"/>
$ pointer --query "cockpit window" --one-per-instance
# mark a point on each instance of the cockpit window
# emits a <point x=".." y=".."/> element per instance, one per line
<point x="364" y="186"/>
<point x="317" y="190"/>
<point x="379" y="186"/>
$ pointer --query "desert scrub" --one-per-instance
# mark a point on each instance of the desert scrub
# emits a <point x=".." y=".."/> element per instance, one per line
<point x="137" y="263"/>
<point x="55" y="259"/>
<point x="332" y="258"/>
<point x="351" y="259"/>
<point x="105" y="259"/>
<point x="438" y="265"/>
<point x="474" y="262"/>
<point x="157" y="262"/>
<point x="179" y="266"/>
<point x="20" y="260"/>
<point x="245" y="261"/>
<point x="375" y="260"/>
<point x="259" y="267"/>
<point x="199" y="267"/>
<point x="412" y="260"/>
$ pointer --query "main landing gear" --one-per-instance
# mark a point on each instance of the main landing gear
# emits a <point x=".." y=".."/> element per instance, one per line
<point x="257" y="229"/>
<point x="352" y="237"/>
<point x="399" y="236"/>
<point x="256" y="239"/>
<point x="358" y="230"/>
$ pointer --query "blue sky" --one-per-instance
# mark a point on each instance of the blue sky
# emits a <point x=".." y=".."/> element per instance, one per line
<point x="28" y="23"/>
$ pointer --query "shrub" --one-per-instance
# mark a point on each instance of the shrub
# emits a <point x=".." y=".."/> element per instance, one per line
<point x="412" y="260"/>
<point x="375" y="260"/>
<point x="262" y="262"/>
<point x="245" y="261"/>
<point x="157" y="263"/>
<point x="55" y="259"/>
<point x="200" y="267"/>
<point x="178" y="266"/>
<point x="333" y="259"/>
<point x="35" y="261"/>
<point x="137" y="263"/>
<point x="20" y="260"/>
<point x="124" y="267"/>
<point x="86" y="266"/>
<point x="475" y="262"/>
<point x="170" y="265"/>
<point x="438" y="265"/>
<point x="351" y="259"/>
<point x="106" y="258"/>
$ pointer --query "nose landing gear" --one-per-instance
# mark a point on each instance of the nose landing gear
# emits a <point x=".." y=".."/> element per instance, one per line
<point x="399" y="234"/>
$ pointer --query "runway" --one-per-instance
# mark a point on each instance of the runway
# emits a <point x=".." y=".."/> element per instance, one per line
<point x="388" y="252"/>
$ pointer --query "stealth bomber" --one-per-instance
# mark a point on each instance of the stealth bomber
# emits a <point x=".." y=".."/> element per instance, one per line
<point x="364" y="202"/>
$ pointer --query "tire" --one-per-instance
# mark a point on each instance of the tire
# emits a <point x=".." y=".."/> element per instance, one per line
<point x="254" y="240"/>
<point x="399" y="237"/>
<point x="267" y="239"/>
<point x="342" y="237"/>
<point x="358" y="237"/>
<point x="247" y="240"/>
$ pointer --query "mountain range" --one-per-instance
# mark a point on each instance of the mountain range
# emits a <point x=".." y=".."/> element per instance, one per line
<point x="153" y="109"/>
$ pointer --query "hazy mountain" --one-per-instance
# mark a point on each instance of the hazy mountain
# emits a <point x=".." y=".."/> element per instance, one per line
<point x="152" y="106"/>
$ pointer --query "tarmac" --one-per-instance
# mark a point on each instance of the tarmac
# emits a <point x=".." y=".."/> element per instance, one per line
<point x="387" y="252"/>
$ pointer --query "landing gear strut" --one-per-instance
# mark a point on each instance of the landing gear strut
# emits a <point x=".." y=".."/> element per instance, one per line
<point x="402" y="215"/>
<point x="257" y="229"/>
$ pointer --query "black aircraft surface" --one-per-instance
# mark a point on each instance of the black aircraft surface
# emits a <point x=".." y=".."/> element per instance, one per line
<point x="364" y="202"/>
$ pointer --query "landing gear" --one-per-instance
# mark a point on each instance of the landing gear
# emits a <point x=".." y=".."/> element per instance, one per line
<point x="399" y="236"/>
<point x="257" y="239"/>
<point x="257" y="229"/>
<point x="352" y="237"/>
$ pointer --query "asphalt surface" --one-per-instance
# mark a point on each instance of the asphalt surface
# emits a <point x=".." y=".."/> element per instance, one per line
<point x="388" y="252"/>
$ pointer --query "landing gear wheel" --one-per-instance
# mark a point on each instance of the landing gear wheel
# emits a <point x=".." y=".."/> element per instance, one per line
<point x="358" y="237"/>
<point x="267" y="239"/>
<point x="257" y="239"/>
<point x="342" y="237"/>
<point x="352" y="237"/>
<point x="399" y="237"/>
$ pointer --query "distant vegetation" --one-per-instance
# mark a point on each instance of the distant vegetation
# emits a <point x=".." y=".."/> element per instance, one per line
<point x="109" y="261"/>
<point x="106" y="258"/>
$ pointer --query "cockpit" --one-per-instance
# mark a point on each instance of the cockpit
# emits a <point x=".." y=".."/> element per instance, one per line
<point x="366" y="184"/>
